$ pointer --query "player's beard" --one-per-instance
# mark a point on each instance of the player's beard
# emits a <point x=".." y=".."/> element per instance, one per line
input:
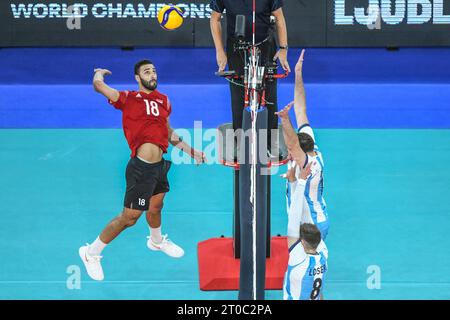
<point x="150" y="85"/>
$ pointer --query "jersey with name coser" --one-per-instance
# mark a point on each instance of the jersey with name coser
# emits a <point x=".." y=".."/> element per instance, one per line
<point x="305" y="274"/>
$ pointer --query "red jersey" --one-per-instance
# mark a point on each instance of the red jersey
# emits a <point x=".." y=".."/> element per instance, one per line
<point x="144" y="118"/>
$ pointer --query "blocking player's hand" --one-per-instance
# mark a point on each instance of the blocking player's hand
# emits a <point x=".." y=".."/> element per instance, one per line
<point x="299" y="65"/>
<point x="199" y="157"/>
<point x="284" y="113"/>
<point x="306" y="171"/>
<point x="103" y="72"/>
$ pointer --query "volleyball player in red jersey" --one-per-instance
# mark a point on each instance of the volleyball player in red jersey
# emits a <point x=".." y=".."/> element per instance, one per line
<point x="145" y="119"/>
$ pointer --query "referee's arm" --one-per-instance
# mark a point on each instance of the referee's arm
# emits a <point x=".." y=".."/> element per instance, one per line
<point x="282" y="39"/>
<point x="216" y="31"/>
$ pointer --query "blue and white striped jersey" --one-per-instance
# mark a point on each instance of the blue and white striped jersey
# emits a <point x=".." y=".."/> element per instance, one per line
<point x="305" y="275"/>
<point x="314" y="205"/>
<point x="314" y="185"/>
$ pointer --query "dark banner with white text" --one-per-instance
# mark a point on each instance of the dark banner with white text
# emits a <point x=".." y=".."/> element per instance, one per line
<point x="310" y="23"/>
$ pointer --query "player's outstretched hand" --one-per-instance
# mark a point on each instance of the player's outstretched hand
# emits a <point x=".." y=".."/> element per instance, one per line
<point x="284" y="113"/>
<point x="104" y="72"/>
<point x="290" y="174"/>
<point x="199" y="157"/>
<point x="306" y="171"/>
<point x="299" y="65"/>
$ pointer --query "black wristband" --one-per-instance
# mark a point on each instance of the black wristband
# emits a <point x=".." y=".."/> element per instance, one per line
<point x="283" y="47"/>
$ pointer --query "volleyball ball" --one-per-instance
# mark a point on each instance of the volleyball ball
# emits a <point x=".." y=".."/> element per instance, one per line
<point x="170" y="17"/>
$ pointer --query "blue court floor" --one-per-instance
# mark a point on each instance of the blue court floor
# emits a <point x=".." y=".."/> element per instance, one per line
<point x="387" y="191"/>
<point x="383" y="128"/>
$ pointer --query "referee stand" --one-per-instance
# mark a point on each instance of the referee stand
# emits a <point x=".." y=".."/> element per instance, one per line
<point x="225" y="263"/>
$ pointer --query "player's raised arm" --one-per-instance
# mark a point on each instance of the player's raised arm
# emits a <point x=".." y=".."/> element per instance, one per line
<point x="295" y="211"/>
<point x="299" y="93"/>
<point x="101" y="87"/>
<point x="176" y="141"/>
<point x="290" y="136"/>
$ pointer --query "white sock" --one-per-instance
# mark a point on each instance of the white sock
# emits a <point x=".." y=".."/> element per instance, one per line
<point x="96" y="248"/>
<point x="155" y="234"/>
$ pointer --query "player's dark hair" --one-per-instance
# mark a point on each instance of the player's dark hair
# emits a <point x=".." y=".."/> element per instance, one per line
<point x="141" y="63"/>
<point x="311" y="234"/>
<point x="306" y="142"/>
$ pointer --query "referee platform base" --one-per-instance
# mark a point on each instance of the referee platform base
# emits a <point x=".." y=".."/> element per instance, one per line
<point x="219" y="270"/>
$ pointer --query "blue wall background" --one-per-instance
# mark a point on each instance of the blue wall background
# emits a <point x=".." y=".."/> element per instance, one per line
<point x="346" y="88"/>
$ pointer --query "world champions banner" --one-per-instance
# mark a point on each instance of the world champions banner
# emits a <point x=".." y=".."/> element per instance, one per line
<point x="318" y="23"/>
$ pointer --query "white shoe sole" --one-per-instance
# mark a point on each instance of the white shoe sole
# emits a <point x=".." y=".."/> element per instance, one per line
<point x="151" y="247"/>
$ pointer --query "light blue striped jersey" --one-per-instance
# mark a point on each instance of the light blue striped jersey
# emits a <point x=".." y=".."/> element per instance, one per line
<point x="305" y="274"/>
<point x="316" y="204"/>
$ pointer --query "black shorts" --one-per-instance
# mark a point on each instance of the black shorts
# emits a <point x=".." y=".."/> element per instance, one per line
<point x="145" y="180"/>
